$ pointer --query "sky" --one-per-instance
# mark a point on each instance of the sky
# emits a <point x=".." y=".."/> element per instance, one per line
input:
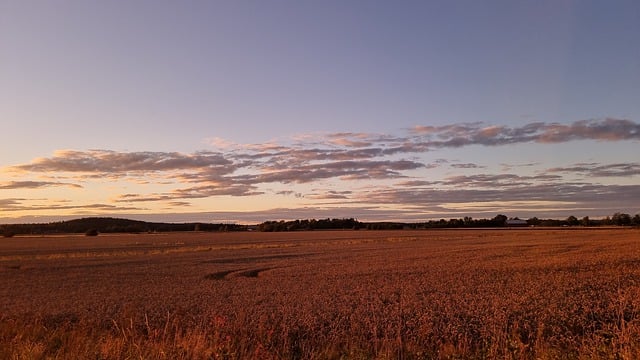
<point x="247" y="111"/>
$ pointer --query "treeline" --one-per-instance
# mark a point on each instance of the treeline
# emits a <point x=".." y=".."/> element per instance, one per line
<point x="500" y="220"/>
<point x="311" y="224"/>
<point x="96" y="225"/>
<point x="350" y="223"/>
<point x="619" y="219"/>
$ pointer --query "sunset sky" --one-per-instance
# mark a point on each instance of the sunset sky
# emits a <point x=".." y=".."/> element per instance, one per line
<point x="246" y="111"/>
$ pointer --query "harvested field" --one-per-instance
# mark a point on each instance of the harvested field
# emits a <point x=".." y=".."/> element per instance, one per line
<point x="440" y="294"/>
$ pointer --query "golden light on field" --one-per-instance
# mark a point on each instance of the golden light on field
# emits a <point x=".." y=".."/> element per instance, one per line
<point x="543" y="294"/>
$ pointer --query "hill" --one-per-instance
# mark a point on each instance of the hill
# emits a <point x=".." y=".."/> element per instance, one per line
<point x="113" y="225"/>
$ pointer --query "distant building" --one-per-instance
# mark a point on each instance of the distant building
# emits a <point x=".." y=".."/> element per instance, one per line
<point x="516" y="222"/>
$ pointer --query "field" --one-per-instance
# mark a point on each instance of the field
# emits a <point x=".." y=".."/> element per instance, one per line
<point x="441" y="294"/>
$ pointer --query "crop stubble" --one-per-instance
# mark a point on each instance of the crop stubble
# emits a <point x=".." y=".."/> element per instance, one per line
<point x="526" y="293"/>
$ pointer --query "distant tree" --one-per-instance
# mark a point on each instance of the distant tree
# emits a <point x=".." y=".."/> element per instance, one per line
<point x="500" y="220"/>
<point x="621" y="219"/>
<point x="585" y="221"/>
<point x="455" y="223"/>
<point x="572" y="221"/>
<point x="636" y="220"/>
<point x="92" y="232"/>
<point x="534" y="221"/>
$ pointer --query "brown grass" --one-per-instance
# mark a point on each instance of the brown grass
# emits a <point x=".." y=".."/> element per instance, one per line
<point x="443" y="294"/>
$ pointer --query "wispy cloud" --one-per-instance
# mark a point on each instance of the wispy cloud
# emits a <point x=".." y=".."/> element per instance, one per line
<point x="8" y="204"/>
<point x="608" y="129"/>
<point x="330" y="195"/>
<point x="35" y="185"/>
<point x="599" y="170"/>
<point x="113" y="162"/>
<point x="289" y="193"/>
<point x="497" y="181"/>
<point x="21" y="204"/>
<point x="348" y="170"/>
<point x="196" y="192"/>
<point x="357" y="140"/>
<point x="466" y="166"/>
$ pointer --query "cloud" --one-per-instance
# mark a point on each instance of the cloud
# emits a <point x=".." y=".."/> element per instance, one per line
<point x="221" y="143"/>
<point x="179" y="204"/>
<point x="21" y="204"/>
<point x="196" y="192"/>
<point x="214" y="174"/>
<point x="497" y="180"/>
<point x="264" y="161"/>
<point x="8" y="204"/>
<point x="466" y="166"/>
<point x="330" y="195"/>
<point x="35" y="185"/>
<point x="289" y="193"/>
<point x="417" y="183"/>
<point x="349" y="160"/>
<point x="347" y="170"/>
<point x="446" y="130"/>
<point x="508" y="167"/>
<point x="598" y="170"/>
<point x="574" y="196"/>
<point x="607" y="129"/>
<point x="357" y="140"/>
<point x="112" y="162"/>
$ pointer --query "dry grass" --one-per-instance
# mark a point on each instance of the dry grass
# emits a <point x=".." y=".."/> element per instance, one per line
<point x="444" y="294"/>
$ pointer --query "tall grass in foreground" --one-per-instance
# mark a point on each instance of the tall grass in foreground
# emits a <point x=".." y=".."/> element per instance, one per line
<point x="124" y="339"/>
<point x="605" y="333"/>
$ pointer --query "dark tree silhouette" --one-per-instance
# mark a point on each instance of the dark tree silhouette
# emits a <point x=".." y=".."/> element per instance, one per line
<point x="621" y="219"/>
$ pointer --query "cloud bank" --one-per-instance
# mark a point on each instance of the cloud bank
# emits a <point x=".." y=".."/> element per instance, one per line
<point x="362" y="172"/>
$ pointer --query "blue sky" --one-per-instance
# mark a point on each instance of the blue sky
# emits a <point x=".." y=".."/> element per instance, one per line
<point x="255" y="110"/>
